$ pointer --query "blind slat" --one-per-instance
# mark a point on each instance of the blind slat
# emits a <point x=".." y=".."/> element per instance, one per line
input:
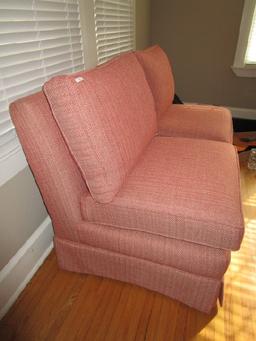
<point x="106" y="56"/>
<point x="17" y="60"/>
<point x="35" y="14"/>
<point x="110" y="9"/>
<point x="114" y="41"/>
<point x="112" y="15"/>
<point x="12" y="38"/>
<point x="103" y="21"/>
<point x="112" y="33"/>
<point x="44" y="25"/>
<point x="103" y="3"/>
<point x="115" y="47"/>
<point x="102" y="27"/>
<point x="23" y="71"/>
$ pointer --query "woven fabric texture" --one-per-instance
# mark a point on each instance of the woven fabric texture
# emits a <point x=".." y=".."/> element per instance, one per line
<point x="54" y="169"/>
<point x="196" y="291"/>
<point x="159" y="75"/>
<point x="107" y="118"/>
<point x="197" y="259"/>
<point x="179" y="190"/>
<point x="197" y="121"/>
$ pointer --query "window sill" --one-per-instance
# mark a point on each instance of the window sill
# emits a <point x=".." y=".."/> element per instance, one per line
<point x="244" y="71"/>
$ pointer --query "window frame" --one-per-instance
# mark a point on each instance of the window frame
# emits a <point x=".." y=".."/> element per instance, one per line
<point x="239" y="67"/>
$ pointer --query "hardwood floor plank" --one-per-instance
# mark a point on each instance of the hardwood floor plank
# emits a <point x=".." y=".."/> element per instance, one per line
<point x="82" y="312"/>
<point x="167" y="320"/>
<point x="103" y="314"/>
<point x="154" y="319"/>
<point x="59" y="314"/>
<point x="116" y="321"/>
<point x="145" y="317"/>
<point x="131" y="314"/>
<point x="44" y="313"/>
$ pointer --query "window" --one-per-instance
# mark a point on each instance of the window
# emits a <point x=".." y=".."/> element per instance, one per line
<point x="38" y="39"/>
<point x="245" y="58"/>
<point x="114" y="27"/>
<point x="250" y="56"/>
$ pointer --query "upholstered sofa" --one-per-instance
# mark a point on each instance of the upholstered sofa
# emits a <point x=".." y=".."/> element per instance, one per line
<point x="138" y="189"/>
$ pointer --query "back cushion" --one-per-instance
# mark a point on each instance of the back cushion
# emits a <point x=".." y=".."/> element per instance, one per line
<point x="107" y="118"/>
<point x="159" y="76"/>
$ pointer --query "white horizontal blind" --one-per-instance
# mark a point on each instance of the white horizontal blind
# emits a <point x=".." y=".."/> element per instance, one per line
<point x="38" y="39"/>
<point x="250" y="56"/>
<point x="115" y="27"/>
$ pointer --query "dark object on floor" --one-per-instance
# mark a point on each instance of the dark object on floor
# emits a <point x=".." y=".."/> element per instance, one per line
<point x="244" y="140"/>
<point x="241" y="124"/>
<point x="177" y="100"/>
<point x="248" y="139"/>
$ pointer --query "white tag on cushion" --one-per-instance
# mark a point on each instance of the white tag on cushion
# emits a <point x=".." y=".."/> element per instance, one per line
<point x="79" y="79"/>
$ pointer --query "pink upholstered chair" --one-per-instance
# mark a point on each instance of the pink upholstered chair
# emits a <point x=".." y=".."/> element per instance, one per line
<point x="160" y="212"/>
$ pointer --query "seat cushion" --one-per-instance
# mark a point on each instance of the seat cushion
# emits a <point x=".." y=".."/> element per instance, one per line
<point x="159" y="75"/>
<point x="193" y="258"/>
<point x="181" y="188"/>
<point x="107" y="118"/>
<point x="197" y="121"/>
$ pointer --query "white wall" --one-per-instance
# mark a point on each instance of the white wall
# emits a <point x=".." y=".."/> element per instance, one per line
<point x="21" y="212"/>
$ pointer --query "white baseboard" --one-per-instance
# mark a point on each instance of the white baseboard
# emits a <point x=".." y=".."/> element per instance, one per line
<point x="249" y="114"/>
<point x="22" y="267"/>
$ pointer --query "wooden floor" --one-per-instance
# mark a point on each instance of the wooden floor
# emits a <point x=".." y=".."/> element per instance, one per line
<point x="58" y="305"/>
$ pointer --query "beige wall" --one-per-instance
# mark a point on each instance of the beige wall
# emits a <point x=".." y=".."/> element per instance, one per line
<point x="143" y="14"/>
<point x="200" y="39"/>
<point x="21" y="213"/>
